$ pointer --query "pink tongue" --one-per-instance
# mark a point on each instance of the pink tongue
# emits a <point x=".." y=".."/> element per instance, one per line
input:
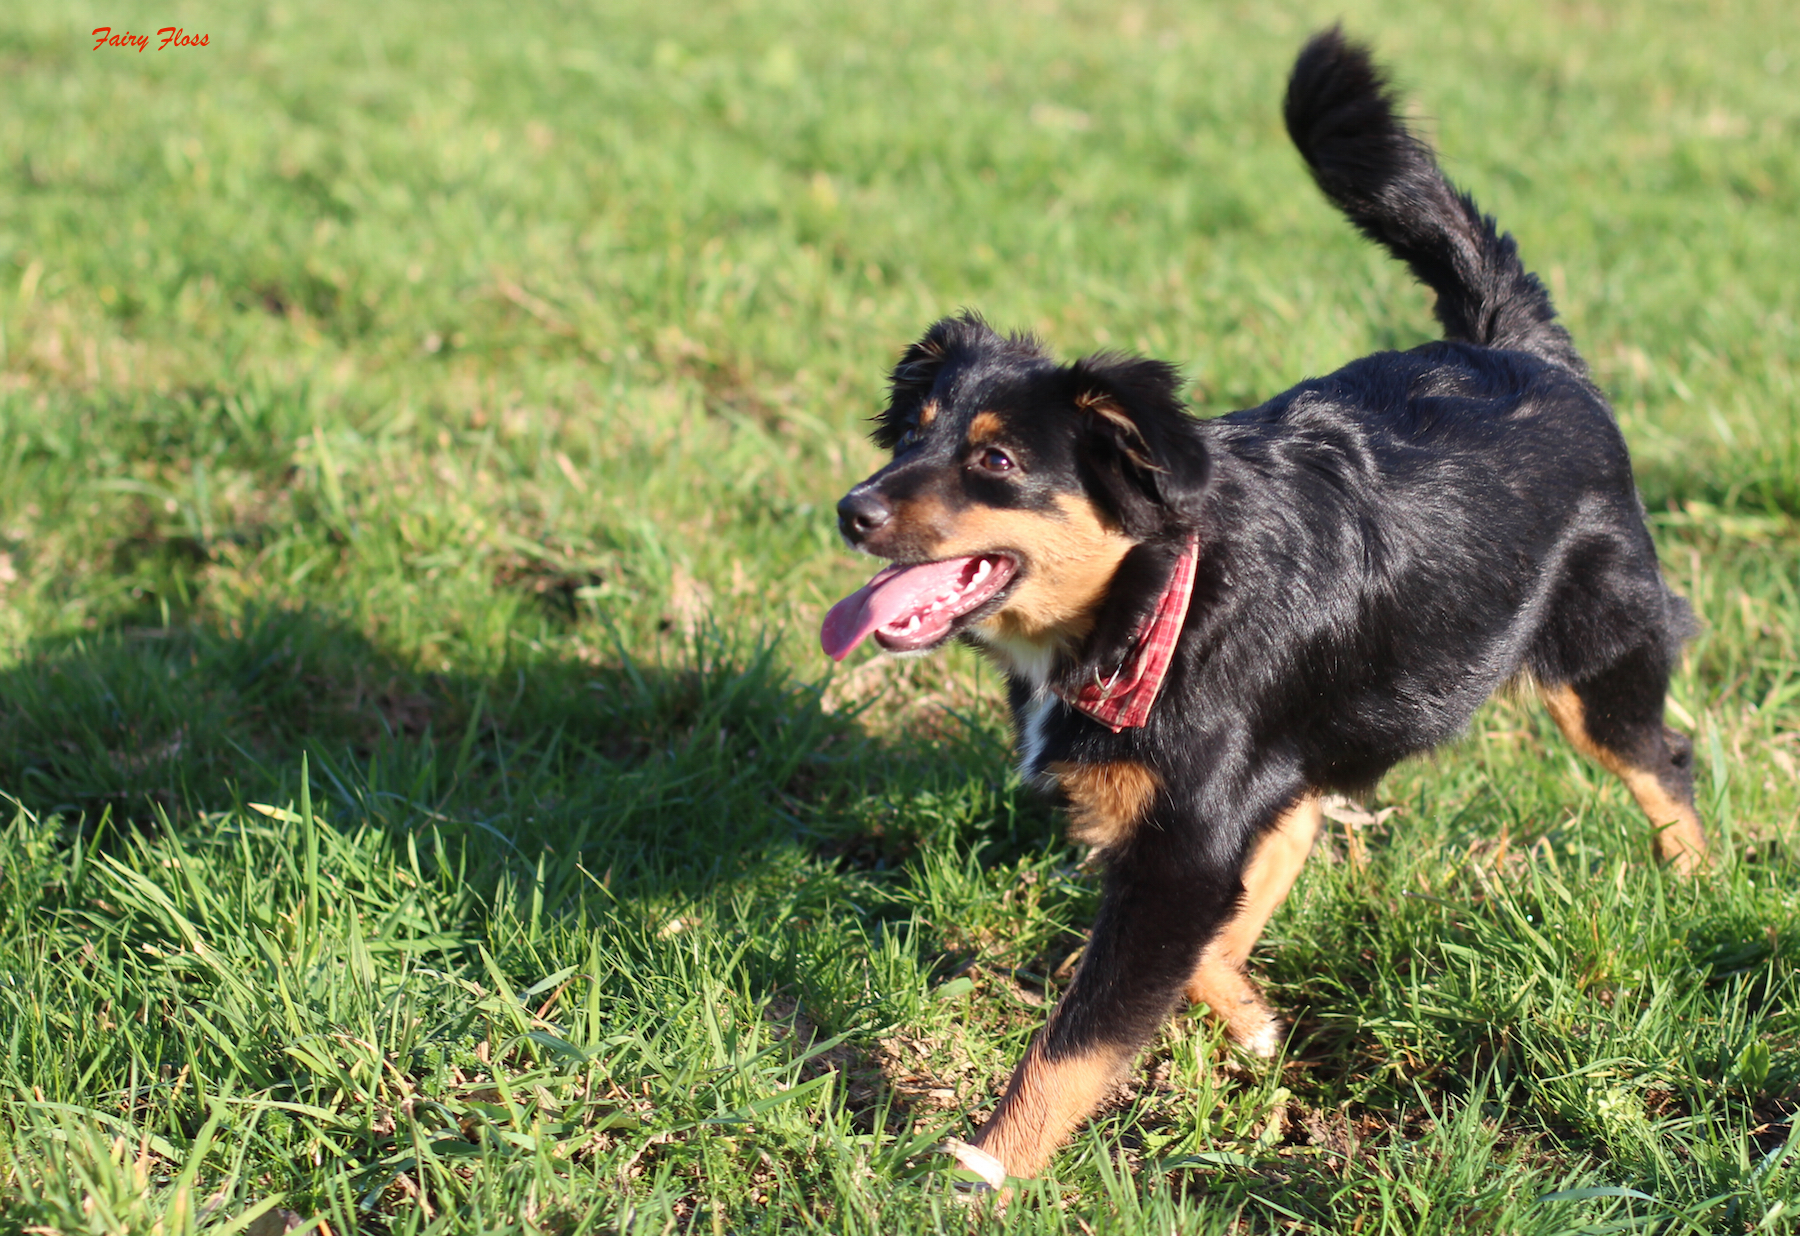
<point x="893" y="594"/>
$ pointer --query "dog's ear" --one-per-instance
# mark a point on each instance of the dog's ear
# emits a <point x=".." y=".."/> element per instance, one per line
<point x="1149" y="455"/>
<point x="914" y="378"/>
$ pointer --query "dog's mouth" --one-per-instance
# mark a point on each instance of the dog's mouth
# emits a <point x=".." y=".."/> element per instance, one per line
<point x="913" y="606"/>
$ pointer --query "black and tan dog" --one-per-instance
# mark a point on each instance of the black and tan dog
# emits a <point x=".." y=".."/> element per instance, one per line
<point x="1208" y="624"/>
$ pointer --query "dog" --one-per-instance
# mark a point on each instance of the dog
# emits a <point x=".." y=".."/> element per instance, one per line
<point x="1205" y="625"/>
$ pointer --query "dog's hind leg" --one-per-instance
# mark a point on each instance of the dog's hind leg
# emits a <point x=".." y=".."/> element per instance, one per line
<point x="1615" y="718"/>
<point x="1219" y="979"/>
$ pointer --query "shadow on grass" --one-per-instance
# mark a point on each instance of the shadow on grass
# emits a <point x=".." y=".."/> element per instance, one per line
<point x="722" y="772"/>
<point x="669" y="775"/>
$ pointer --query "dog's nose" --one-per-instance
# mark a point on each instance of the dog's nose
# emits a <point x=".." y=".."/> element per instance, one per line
<point x="860" y="513"/>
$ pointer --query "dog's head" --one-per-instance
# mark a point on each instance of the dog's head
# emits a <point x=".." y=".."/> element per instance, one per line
<point x="1017" y="487"/>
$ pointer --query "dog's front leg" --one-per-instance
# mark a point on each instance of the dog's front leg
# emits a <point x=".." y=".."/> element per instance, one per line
<point x="1161" y="906"/>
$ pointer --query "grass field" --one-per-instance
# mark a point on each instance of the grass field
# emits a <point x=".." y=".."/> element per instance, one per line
<point x="428" y="809"/>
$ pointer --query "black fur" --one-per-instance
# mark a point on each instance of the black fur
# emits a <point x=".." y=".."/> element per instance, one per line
<point x="1341" y="115"/>
<point x="1381" y="549"/>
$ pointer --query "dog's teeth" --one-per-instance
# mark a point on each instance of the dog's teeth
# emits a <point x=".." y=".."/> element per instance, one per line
<point x="981" y="572"/>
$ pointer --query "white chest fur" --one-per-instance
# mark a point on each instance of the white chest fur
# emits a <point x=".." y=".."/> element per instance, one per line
<point x="1032" y="725"/>
<point x="1031" y="662"/>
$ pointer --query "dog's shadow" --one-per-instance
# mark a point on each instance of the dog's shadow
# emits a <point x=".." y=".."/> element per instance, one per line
<point x="662" y="774"/>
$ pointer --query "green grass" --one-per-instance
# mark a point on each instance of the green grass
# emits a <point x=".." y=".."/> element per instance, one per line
<point x="428" y="809"/>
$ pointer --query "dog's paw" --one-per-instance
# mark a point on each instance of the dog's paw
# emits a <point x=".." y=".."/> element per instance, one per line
<point x="1266" y="1042"/>
<point x="974" y="1159"/>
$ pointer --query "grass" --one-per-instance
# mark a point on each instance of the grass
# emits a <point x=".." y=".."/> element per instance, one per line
<point x="427" y="809"/>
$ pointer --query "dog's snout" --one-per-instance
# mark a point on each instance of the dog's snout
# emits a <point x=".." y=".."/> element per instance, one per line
<point x="862" y="512"/>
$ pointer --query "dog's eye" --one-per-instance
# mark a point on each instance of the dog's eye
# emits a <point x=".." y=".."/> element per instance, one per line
<point x="993" y="459"/>
<point x="908" y="440"/>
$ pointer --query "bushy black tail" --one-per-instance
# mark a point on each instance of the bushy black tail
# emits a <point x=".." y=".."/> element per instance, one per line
<point x="1340" y="113"/>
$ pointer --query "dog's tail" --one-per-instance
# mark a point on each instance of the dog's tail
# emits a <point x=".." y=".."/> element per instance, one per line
<point x="1340" y="113"/>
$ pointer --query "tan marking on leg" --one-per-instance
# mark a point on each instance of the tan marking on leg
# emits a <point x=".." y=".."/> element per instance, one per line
<point x="983" y="426"/>
<point x="1044" y="1102"/>
<point x="1106" y="801"/>
<point x="1219" y="979"/>
<point x="1679" y="837"/>
<point x="1566" y="710"/>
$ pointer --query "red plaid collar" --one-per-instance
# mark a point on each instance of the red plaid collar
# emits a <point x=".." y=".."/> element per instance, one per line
<point x="1124" y="700"/>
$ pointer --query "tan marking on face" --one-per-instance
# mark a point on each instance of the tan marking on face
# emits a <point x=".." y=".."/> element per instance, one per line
<point x="1679" y="837"/>
<point x="918" y="527"/>
<point x="1068" y="562"/>
<point x="1106" y="801"/>
<point x="1045" y="1101"/>
<point x="928" y="414"/>
<point x="985" y="426"/>
<point x="1219" y="979"/>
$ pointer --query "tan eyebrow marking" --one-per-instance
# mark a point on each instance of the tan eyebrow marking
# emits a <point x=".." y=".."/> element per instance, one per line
<point x="985" y="425"/>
